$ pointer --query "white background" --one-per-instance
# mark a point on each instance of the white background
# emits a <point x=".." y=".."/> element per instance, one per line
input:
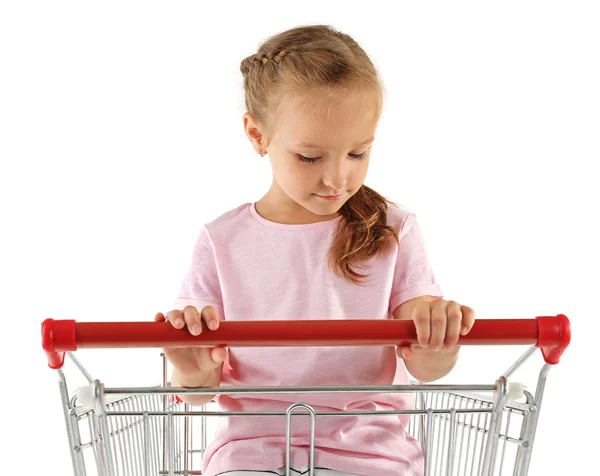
<point x="121" y="134"/>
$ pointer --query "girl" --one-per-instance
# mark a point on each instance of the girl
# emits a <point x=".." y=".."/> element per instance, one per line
<point x="319" y="244"/>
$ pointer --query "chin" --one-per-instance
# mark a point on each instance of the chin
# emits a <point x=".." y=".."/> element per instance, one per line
<point x="324" y="208"/>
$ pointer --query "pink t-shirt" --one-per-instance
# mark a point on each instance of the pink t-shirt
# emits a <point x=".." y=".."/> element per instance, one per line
<point x="250" y="268"/>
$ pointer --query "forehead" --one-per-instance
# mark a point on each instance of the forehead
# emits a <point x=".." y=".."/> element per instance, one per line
<point x="327" y="118"/>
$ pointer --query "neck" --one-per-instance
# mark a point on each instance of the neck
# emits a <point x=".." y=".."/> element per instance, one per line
<point x="277" y="207"/>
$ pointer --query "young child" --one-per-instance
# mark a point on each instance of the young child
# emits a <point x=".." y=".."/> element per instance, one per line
<point x="319" y="245"/>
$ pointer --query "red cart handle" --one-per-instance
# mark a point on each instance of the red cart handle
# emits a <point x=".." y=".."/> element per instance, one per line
<point x="551" y="333"/>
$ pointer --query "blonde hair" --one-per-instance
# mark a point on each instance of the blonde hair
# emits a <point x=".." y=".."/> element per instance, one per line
<point x="319" y="56"/>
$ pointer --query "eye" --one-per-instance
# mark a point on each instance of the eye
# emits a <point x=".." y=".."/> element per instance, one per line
<point x="359" y="156"/>
<point x="309" y="160"/>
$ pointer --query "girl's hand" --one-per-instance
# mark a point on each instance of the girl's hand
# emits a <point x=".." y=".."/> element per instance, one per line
<point x="195" y="366"/>
<point x="439" y="324"/>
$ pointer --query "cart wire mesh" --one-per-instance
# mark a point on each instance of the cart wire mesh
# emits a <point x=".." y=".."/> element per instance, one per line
<point x="150" y="433"/>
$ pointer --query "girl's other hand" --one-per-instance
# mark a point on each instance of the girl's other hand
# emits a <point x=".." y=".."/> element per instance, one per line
<point x="439" y="324"/>
<point x="196" y="366"/>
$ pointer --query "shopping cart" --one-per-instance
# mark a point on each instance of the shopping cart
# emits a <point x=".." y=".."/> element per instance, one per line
<point x="463" y="429"/>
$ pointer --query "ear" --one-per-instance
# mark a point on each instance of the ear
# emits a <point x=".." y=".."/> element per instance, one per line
<point x="254" y="133"/>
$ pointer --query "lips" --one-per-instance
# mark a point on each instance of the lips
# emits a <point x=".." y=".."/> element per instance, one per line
<point x="330" y="197"/>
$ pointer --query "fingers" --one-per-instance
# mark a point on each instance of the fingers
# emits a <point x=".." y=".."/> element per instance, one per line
<point x="453" y="324"/>
<point x="404" y="352"/>
<point x="194" y="364"/>
<point x="468" y="320"/>
<point x="191" y="318"/>
<point x="422" y="320"/>
<point x="210" y="316"/>
<point x="200" y="368"/>
<point x="175" y="317"/>
<point x="210" y="359"/>
<point x="218" y="354"/>
<point x="438" y="324"/>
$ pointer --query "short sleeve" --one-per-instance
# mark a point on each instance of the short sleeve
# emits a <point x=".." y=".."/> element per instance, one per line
<point x="200" y="287"/>
<point x="413" y="276"/>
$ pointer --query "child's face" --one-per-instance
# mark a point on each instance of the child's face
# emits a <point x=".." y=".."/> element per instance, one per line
<point x="334" y="127"/>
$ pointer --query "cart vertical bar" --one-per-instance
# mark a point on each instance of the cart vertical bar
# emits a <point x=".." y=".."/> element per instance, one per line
<point x="532" y="420"/>
<point x="428" y="441"/>
<point x="495" y="425"/>
<point x="505" y="440"/>
<point x="146" y="444"/>
<point x="186" y="439"/>
<point x="76" y="456"/>
<point x="204" y="433"/>
<point x="104" y="435"/>
<point x="171" y="443"/>
<point x="451" y="442"/>
<point x="288" y="438"/>
<point x="164" y="409"/>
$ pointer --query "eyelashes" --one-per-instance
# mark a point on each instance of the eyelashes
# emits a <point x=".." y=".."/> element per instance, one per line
<point x="311" y="160"/>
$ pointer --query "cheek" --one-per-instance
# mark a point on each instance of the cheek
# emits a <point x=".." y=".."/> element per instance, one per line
<point x="359" y="171"/>
<point x="294" y="175"/>
<point x="304" y="176"/>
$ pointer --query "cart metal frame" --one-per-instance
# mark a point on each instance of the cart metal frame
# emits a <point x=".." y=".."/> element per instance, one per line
<point x="482" y="430"/>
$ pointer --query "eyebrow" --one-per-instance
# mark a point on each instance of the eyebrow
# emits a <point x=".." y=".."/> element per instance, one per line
<point x="308" y="145"/>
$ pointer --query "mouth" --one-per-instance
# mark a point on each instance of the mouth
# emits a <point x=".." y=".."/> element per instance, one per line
<point x="330" y="197"/>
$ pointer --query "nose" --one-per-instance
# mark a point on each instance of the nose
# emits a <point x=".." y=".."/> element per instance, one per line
<point x="335" y="174"/>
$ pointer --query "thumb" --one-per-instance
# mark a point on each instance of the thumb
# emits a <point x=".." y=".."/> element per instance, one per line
<point x="218" y="354"/>
<point x="210" y="359"/>
<point x="404" y="353"/>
